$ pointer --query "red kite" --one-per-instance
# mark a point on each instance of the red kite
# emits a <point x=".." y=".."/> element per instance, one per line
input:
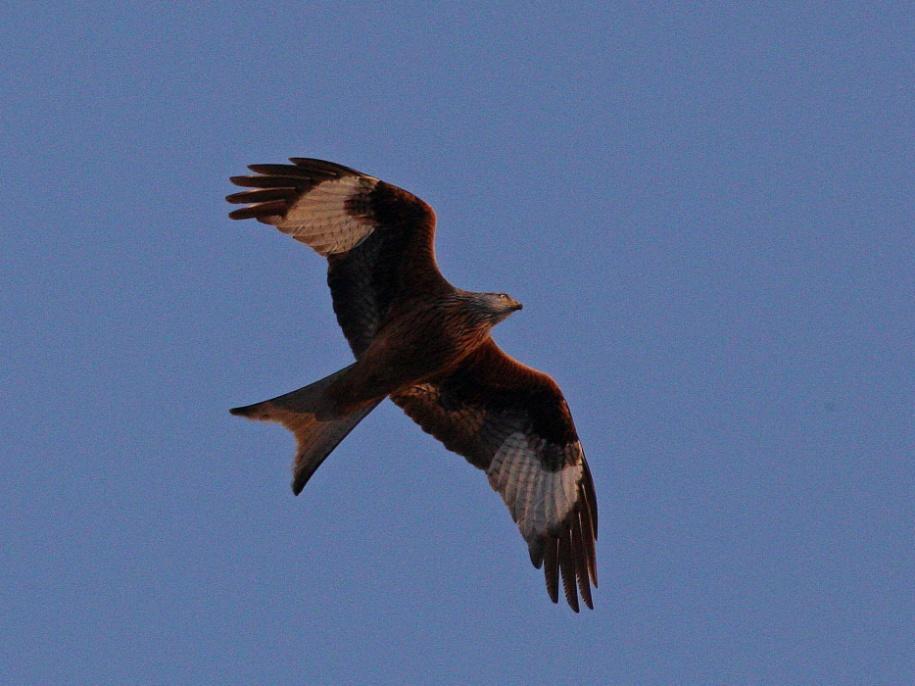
<point x="426" y="344"/>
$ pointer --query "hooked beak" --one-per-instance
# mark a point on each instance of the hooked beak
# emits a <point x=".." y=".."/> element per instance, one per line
<point x="515" y="306"/>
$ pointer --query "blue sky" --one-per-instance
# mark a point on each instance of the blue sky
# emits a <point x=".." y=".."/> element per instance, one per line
<point x="707" y="211"/>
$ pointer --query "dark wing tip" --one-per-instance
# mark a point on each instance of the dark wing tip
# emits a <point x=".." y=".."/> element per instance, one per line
<point x="551" y="568"/>
<point x="567" y="570"/>
<point x="262" y="195"/>
<point x="580" y="559"/>
<point x="240" y="411"/>
<point x="276" y="169"/>
<point x="587" y="491"/>
<point x="297" y="182"/>
<point x="323" y="167"/>
<point x="275" y="208"/>
<point x="568" y="554"/>
<point x="535" y="550"/>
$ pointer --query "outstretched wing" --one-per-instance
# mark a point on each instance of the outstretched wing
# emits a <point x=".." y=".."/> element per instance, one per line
<point x="512" y="422"/>
<point x="378" y="238"/>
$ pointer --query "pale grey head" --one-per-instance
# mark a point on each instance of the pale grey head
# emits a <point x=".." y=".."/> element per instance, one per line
<point x="495" y="306"/>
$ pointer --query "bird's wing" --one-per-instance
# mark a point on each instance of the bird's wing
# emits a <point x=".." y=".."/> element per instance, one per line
<point x="512" y="422"/>
<point x="378" y="238"/>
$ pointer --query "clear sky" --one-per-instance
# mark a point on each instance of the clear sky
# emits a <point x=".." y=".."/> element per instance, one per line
<point x="707" y="211"/>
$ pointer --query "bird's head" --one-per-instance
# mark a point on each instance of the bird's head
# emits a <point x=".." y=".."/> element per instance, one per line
<point x="498" y="305"/>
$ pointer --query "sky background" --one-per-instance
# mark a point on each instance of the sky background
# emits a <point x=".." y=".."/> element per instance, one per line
<point x="707" y="211"/>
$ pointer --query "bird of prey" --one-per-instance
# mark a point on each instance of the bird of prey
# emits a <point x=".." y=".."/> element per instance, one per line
<point x="426" y="345"/>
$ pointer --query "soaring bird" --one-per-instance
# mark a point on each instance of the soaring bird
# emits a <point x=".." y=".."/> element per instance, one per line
<point x="426" y="345"/>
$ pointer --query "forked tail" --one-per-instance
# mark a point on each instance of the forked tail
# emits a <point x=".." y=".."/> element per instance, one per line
<point x="298" y="411"/>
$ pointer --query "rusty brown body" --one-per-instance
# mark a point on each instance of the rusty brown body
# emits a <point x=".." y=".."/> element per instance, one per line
<point x="424" y="339"/>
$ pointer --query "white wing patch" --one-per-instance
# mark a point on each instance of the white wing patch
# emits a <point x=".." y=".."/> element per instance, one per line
<point x="538" y="499"/>
<point x="321" y="218"/>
